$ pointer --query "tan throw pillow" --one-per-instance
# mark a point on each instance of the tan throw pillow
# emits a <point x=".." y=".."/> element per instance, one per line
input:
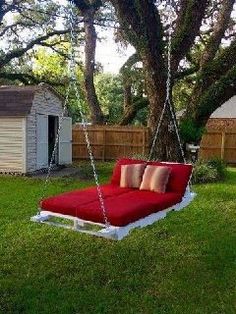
<point x="155" y="178"/>
<point x="131" y="175"/>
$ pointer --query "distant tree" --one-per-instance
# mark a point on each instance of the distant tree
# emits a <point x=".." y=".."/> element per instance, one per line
<point x="31" y="24"/>
<point x="88" y="9"/>
<point x="134" y="89"/>
<point x="52" y="66"/>
<point x="109" y="90"/>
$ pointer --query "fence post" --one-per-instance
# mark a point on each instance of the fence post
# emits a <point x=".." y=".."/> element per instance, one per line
<point x="104" y="144"/>
<point x="222" y="146"/>
<point x="144" y="141"/>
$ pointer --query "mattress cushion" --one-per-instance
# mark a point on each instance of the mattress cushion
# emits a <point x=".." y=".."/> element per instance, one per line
<point x="122" y="209"/>
<point x="65" y="202"/>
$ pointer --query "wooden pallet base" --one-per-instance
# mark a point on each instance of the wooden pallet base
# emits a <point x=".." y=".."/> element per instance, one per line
<point x="111" y="232"/>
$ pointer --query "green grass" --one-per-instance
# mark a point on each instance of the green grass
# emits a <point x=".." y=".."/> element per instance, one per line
<point x="185" y="263"/>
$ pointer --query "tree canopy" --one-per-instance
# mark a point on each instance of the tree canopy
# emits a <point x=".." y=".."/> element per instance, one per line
<point x="203" y="62"/>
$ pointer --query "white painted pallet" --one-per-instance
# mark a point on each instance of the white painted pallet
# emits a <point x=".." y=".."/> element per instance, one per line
<point x="111" y="232"/>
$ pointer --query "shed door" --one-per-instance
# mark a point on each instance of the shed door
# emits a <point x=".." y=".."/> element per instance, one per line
<point x="65" y="142"/>
<point x="42" y="141"/>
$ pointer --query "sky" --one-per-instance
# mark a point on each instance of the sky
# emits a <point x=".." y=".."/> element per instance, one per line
<point x="108" y="53"/>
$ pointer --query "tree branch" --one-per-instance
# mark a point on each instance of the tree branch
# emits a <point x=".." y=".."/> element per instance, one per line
<point x="134" y="58"/>
<point x="131" y="112"/>
<point x="127" y="79"/>
<point x="220" y="65"/>
<point x="218" y="32"/>
<point x="82" y="5"/>
<point x="182" y="74"/>
<point x="25" y="78"/>
<point x="190" y="18"/>
<point x="143" y="27"/>
<point x="16" y="53"/>
<point x="12" y="26"/>
<point x="215" y="96"/>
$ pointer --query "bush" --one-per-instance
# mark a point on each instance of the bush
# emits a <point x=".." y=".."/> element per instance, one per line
<point x="189" y="132"/>
<point x="209" y="171"/>
<point x="220" y="166"/>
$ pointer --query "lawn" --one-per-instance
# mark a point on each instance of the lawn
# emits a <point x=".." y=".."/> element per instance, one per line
<point x="185" y="263"/>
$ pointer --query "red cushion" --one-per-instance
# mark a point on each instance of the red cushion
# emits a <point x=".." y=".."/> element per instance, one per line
<point x="122" y="209"/>
<point x="179" y="176"/>
<point x="115" y="179"/>
<point x="123" y="205"/>
<point x="63" y="203"/>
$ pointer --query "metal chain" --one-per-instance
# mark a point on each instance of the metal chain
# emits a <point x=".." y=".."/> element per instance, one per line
<point x="82" y="115"/>
<point x="72" y="84"/>
<point x="167" y="102"/>
<point x="55" y="147"/>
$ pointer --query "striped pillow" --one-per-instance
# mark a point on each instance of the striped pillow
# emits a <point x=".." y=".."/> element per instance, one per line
<point x="131" y="175"/>
<point x="155" y="178"/>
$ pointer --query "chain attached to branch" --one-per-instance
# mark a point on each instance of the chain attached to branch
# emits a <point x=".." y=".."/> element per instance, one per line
<point x="167" y="103"/>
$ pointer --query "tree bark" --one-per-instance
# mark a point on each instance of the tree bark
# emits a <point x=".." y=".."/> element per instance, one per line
<point x="188" y="25"/>
<point x="218" y="32"/>
<point x="90" y="49"/>
<point x="126" y="73"/>
<point x="131" y="112"/>
<point x="143" y="28"/>
<point x="88" y="9"/>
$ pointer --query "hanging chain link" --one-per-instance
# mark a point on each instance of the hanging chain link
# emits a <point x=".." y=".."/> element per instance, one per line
<point x="73" y="84"/>
<point x="55" y="146"/>
<point x="167" y="103"/>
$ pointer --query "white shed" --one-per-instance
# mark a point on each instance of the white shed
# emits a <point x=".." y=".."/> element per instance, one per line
<point x="29" y="119"/>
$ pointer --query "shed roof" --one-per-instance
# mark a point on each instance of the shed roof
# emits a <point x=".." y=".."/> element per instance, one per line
<point x="18" y="100"/>
<point x="227" y="110"/>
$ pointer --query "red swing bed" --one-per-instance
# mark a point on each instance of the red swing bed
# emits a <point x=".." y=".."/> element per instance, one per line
<point x="126" y="208"/>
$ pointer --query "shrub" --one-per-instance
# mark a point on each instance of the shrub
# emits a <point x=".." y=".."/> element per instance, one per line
<point x="189" y="132"/>
<point x="220" y="166"/>
<point x="209" y="171"/>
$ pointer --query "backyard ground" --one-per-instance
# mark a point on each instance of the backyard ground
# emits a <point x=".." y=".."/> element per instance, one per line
<point x="185" y="263"/>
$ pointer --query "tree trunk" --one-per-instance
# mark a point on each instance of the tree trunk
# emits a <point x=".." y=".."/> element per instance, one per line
<point x="128" y="101"/>
<point x="166" y="146"/>
<point x="143" y="29"/>
<point x="126" y="73"/>
<point x="90" y="49"/>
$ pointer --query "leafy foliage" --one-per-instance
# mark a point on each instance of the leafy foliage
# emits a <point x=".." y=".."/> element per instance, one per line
<point x="53" y="66"/>
<point x="190" y="132"/>
<point x="48" y="64"/>
<point x="110" y="94"/>
<point x="182" y="91"/>
<point x="209" y="171"/>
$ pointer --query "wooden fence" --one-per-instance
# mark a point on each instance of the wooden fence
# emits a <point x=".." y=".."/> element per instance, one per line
<point x="110" y="142"/>
<point x="220" y="144"/>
